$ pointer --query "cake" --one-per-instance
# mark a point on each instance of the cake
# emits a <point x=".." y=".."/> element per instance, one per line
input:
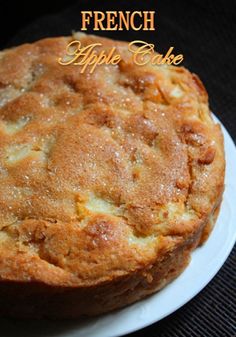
<point x="108" y="180"/>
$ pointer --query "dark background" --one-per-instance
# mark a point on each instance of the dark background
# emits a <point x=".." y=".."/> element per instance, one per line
<point x="205" y="32"/>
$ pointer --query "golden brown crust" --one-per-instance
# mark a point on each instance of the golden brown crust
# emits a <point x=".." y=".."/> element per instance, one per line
<point x="107" y="180"/>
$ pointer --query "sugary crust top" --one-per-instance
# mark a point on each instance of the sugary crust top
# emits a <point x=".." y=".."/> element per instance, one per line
<point x="100" y="174"/>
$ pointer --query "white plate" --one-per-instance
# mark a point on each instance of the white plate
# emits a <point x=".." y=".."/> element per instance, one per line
<point x="206" y="262"/>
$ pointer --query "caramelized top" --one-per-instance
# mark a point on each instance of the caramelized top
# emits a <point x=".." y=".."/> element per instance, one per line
<point x="103" y="173"/>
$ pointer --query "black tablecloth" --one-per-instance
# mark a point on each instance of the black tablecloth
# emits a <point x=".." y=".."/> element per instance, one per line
<point x="205" y="33"/>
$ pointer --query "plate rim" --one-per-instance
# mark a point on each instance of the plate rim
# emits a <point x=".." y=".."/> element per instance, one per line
<point x="204" y="282"/>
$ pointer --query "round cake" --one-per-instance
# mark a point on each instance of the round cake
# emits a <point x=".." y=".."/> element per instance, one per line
<point x="108" y="180"/>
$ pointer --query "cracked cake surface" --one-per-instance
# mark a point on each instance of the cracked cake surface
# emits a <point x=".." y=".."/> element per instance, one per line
<point x="108" y="180"/>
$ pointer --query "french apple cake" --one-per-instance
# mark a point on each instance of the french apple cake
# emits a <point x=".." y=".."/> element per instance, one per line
<point x="108" y="180"/>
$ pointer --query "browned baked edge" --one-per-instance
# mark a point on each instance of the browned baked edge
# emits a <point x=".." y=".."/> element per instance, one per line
<point x="38" y="300"/>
